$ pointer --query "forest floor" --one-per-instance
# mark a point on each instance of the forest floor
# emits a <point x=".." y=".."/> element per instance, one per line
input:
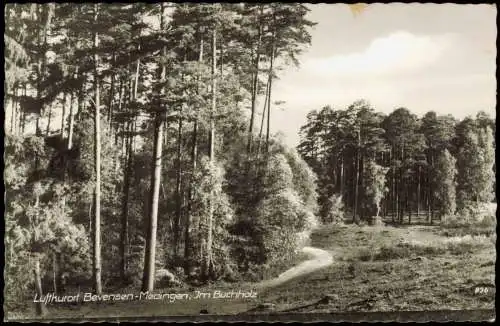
<point x="374" y="268"/>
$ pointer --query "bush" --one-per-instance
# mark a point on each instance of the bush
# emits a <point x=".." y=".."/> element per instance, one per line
<point x="409" y="249"/>
<point x="335" y="213"/>
<point x="406" y="250"/>
<point x="471" y="215"/>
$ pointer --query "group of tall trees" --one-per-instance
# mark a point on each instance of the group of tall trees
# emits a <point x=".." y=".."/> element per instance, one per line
<point x="398" y="164"/>
<point x="132" y="143"/>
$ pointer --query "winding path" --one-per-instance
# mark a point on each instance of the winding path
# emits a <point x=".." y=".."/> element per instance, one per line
<point x="320" y="258"/>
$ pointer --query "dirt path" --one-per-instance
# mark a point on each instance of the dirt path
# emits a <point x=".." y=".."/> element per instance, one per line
<point x="320" y="258"/>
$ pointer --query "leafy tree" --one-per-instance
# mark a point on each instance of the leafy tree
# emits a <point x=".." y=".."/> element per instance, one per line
<point x="475" y="167"/>
<point x="445" y="174"/>
<point x="375" y="186"/>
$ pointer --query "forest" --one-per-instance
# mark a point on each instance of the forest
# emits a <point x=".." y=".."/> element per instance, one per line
<point x="372" y="165"/>
<point x="134" y="146"/>
<point x="140" y="156"/>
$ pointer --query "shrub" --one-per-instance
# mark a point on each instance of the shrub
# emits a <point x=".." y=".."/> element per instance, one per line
<point x="335" y="214"/>
<point x="471" y="215"/>
<point x="407" y="249"/>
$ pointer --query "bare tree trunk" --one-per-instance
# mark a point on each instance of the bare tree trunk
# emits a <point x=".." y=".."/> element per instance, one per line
<point x="254" y="88"/>
<point x="71" y="122"/>
<point x="269" y="97"/>
<point x="408" y="209"/>
<point x="41" y="309"/>
<point x="221" y="62"/>
<point x="187" y="237"/>
<point x="120" y="105"/>
<point x="47" y="131"/>
<point x="431" y="201"/>
<point x="13" y="109"/>
<point x="111" y="94"/>
<point x="149" y="262"/>
<point x="418" y="191"/>
<point x="126" y="189"/>
<point x="342" y="176"/>
<point x="159" y="127"/>
<point x="97" y="143"/>
<point x="23" y="113"/>
<point x="194" y="158"/>
<point x="206" y="266"/>
<point x="63" y="117"/>
<point x="54" y="273"/>
<point x="16" y="111"/>
<point x="136" y="82"/>
<point x="259" y="141"/>
<point x="178" y="185"/>
<point x="356" y="185"/>
<point x="39" y="102"/>
<point x="42" y="63"/>
<point x="72" y="116"/>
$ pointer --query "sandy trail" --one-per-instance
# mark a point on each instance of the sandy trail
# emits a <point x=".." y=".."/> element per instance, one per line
<point x="320" y="258"/>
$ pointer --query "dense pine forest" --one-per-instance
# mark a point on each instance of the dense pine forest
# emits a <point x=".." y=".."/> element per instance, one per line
<point x="140" y="156"/>
<point x="400" y="165"/>
<point x="134" y="144"/>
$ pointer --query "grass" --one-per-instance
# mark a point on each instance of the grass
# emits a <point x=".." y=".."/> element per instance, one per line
<point x="376" y="268"/>
<point x="391" y="269"/>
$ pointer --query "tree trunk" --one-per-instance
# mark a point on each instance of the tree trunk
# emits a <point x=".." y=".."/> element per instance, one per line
<point x="178" y="186"/>
<point x="111" y="94"/>
<point x="136" y="82"/>
<point x="120" y="105"/>
<point x="254" y="88"/>
<point x="356" y="184"/>
<point x="159" y="126"/>
<point x="97" y="153"/>
<point x="262" y="120"/>
<point x="71" y="122"/>
<point x="396" y="198"/>
<point x="194" y="158"/>
<point x="126" y="191"/>
<point x="206" y="266"/>
<point x="63" y="117"/>
<point x="13" y="110"/>
<point x="361" y="201"/>
<point x="430" y="203"/>
<point x="341" y="188"/>
<point x="418" y="191"/>
<point x="71" y="118"/>
<point x="187" y="239"/>
<point x="39" y="100"/>
<point x="408" y="209"/>
<point x="269" y="96"/>
<point x="42" y="63"/>
<point x="401" y="184"/>
<point x="54" y="273"/>
<point x="149" y="262"/>
<point x="41" y="309"/>
<point x="221" y="62"/>
<point x="47" y="131"/>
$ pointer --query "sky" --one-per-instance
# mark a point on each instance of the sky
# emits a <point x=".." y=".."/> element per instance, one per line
<point x="439" y="57"/>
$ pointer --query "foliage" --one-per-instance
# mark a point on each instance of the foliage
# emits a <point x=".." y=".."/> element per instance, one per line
<point x="394" y="164"/>
<point x="335" y="210"/>
<point x="445" y="174"/>
<point x="375" y="185"/>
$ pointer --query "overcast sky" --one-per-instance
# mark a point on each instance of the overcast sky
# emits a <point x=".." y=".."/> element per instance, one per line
<point x="439" y="57"/>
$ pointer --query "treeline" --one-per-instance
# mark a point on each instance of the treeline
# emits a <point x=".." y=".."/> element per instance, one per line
<point x="371" y="165"/>
<point x="157" y="158"/>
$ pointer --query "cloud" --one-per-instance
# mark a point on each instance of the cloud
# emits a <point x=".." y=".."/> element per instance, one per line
<point x="398" y="53"/>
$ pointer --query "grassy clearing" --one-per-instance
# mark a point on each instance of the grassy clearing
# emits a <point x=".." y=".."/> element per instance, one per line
<point x="391" y="269"/>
